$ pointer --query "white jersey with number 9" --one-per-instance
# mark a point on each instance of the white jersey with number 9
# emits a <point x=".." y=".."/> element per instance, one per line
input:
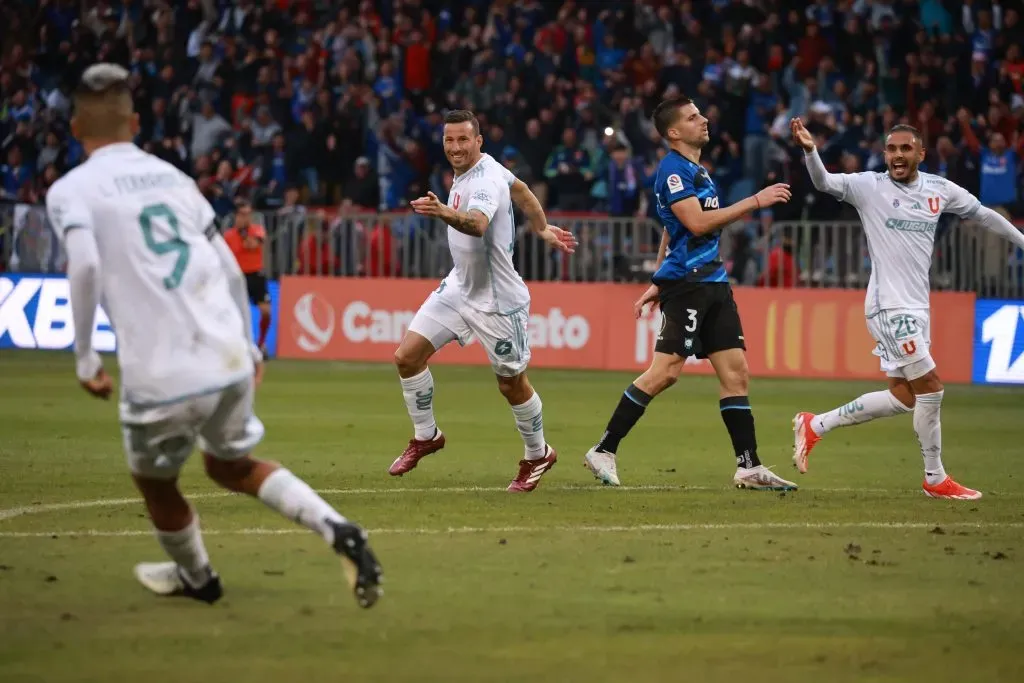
<point x="179" y="332"/>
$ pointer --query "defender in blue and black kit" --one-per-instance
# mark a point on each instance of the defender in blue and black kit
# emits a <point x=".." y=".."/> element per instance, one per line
<point x="699" y="314"/>
<point x="698" y="309"/>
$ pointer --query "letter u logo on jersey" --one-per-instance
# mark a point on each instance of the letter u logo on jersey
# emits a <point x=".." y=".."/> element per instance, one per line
<point x="910" y="347"/>
<point x="933" y="204"/>
<point x="455" y="201"/>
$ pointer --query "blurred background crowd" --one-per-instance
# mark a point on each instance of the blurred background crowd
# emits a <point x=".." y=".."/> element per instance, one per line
<point x="291" y="104"/>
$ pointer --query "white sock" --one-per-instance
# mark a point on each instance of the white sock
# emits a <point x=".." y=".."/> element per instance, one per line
<point x="293" y="498"/>
<point x="186" y="548"/>
<point x="419" y="401"/>
<point x="530" y="421"/>
<point x="929" y="434"/>
<point x="862" y="409"/>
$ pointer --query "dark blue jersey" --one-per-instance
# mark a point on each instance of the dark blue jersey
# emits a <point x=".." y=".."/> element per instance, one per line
<point x="691" y="258"/>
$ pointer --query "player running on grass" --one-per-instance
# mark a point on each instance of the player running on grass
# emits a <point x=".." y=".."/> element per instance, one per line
<point x="699" y="314"/>
<point x="899" y="210"/>
<point x="141" y="239"/>
<point x="483" y="296"/>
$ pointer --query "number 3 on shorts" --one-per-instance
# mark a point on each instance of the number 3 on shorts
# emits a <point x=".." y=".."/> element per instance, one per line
<point x="691" y="314"/>
<point x="173" y="245"/>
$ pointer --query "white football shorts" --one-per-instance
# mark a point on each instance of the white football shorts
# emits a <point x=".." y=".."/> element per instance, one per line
<point x="903" y="342"/>
<point x="158" y="440"/>
<point x="444" y="317"/>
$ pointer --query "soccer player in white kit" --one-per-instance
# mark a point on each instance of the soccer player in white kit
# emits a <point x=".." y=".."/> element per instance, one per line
<point x="483" y="297"/>
<point x="143" y="241"/>
<point x="899" y="210"/>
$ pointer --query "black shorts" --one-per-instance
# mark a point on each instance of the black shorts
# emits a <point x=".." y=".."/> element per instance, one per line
<point x="257" y="286"/>
<point x="698" y="319"/>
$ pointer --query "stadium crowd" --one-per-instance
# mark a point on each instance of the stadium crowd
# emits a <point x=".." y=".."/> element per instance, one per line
<point x="339" y="102"/>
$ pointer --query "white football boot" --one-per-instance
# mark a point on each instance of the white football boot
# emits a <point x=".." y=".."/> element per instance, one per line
<point x="602" y="465"/>
<point x="164" y="578"/>
<point x="761" y="478"/>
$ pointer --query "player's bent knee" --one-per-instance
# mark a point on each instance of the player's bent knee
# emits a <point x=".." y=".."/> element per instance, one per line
<point x="516" y="388"/>
<point x="903" y="395"/>
<point x="228" y="473"/>
<point x="411" y="356"/>
<point x="663" y="373"/>
<point x="735" y="381"/>
<point x="928" y="383"/>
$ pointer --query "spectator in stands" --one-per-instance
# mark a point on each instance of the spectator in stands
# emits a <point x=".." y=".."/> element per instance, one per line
<point x="998" y="164"/>
<point x="514" y="162"/>
<point x="275" y="172"/>
<point x="781" y="270"/>
<point x="16" y="174"/>
<point x="363" y="188"/>
<point x="263" y="129"/>
<point x="569" y="174"/>
<point x="208" y="129"/>
<point x="625" y="182"/>
<point x="317" y="255"/>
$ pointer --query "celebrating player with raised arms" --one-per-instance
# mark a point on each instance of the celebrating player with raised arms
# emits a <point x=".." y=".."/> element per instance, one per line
<point x="900" y="211"/>
<point x="142" y="239"/>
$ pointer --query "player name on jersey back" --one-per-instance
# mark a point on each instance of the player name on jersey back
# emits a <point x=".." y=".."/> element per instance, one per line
<point x="162" y="283"/>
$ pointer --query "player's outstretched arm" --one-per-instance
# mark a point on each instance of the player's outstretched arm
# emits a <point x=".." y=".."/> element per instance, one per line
<point x="473" y="222"/>
<point x="701" y="222"/>
<point x="84" y="281"/>
<point x="537" y="221"/>
<point x="992" y="221"/>
<point x="832" y="183"/>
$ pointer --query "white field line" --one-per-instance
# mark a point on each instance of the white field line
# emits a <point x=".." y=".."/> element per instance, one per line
<point x="572" y="528"/>
<point x="41" y="508"/>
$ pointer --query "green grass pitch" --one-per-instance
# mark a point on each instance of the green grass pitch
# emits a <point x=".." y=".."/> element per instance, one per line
<point x="677" y="576"/>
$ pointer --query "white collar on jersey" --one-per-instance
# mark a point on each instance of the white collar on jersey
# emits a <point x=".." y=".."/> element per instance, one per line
<point x="916" y="187"/>
<point x="114" y="148"/>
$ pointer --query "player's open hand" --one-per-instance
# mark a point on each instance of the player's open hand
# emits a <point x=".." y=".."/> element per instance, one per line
<point x="559" y="239"/>
<point x="428" y="206"/>
<point x="100" y="386"/>
<point x="649" y="297"/>
<point x="801" y="135"/>
<point x="778" y="193"/>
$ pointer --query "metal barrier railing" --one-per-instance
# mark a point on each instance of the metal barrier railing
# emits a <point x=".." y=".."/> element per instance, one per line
<point x="365" y="244"/>
<point x="407" y="245"/>
<point x="966" y="258"/>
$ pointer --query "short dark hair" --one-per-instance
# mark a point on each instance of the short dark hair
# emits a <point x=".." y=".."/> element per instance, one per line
<point x="463" y="116"/>
<point x="665" y="114"/>
<point x="906" y="128"/>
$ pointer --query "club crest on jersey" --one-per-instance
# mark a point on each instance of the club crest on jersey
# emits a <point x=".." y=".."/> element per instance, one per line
<point x="933" y="204"/>
<point x="895" y="203"/>
<point x="455" y="200"/>
<point x="675" y="183"/>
